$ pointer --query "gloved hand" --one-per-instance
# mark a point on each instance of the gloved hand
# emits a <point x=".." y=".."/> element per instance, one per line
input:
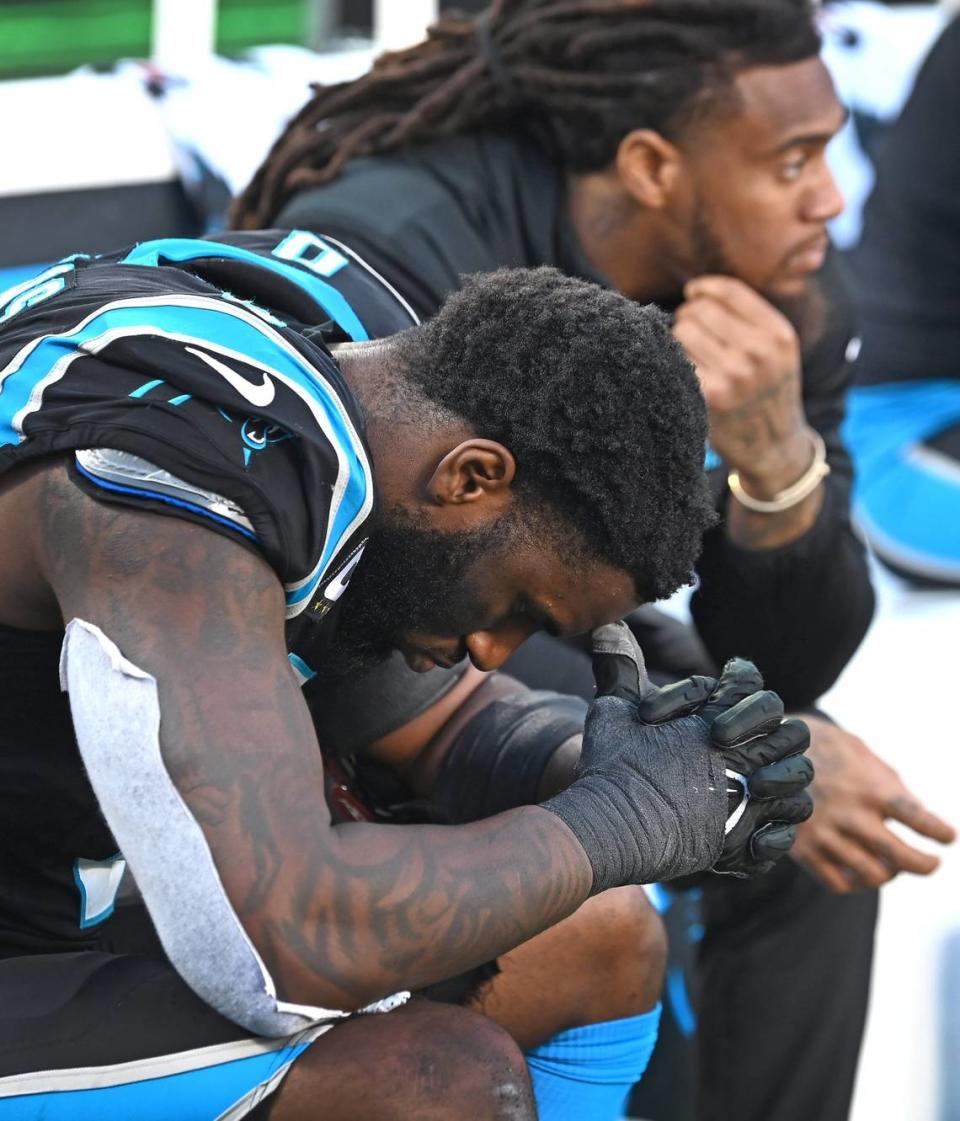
<point x="767" y="773"/>
<point x="701" y="774"/>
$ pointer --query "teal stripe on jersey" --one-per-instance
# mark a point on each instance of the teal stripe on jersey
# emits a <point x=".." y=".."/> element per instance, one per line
<point x="182" y="250"/>
<point x="304" y="672"/>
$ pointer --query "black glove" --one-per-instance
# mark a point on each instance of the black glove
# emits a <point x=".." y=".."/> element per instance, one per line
<point x="653" y="796"/>
<point x="767" y="773"/>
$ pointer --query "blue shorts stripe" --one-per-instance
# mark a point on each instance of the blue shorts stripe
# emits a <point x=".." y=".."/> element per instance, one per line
<point x="195" y="1095"/>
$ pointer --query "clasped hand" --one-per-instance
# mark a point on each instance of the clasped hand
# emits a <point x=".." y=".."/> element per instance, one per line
<point x="702" y="774"/>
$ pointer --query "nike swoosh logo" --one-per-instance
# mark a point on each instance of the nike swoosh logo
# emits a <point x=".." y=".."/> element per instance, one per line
<point x="258" y="395"/>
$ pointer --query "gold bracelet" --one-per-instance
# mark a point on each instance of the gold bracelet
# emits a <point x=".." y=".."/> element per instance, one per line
<point x="792" y="495"/>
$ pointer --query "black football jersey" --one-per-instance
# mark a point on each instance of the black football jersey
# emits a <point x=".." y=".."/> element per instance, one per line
<point x="191" y="354"/>
<point x="192" y="378"/>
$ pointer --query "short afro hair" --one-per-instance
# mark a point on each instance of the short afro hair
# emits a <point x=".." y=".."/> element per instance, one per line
<point x="597" y="402"/>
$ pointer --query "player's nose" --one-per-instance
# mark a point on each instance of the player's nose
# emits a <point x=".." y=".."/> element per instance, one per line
<point x="825" y="202"/>
<point x="489" y="649"/>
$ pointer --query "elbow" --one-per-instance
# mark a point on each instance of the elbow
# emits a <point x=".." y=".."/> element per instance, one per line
<point x="322" y="952"/>
<point x="273" y="977"/>
<point x="279" y="994"/>
<point x="304" y="976"/>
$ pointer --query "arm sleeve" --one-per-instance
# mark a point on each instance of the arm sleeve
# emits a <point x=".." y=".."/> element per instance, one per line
<point x="799" y="611"/>
<point x="499" y="757"/>
<point x="350" y="714"/>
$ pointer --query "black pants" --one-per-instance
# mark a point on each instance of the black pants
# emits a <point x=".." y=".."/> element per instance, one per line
<point x="784" y="973"/>
<point x="781" y="977"/>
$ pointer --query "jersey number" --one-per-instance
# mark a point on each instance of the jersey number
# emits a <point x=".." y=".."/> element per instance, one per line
<point x="309" y="250"/>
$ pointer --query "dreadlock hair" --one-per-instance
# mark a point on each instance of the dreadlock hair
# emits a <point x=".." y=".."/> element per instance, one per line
<point x="577" y="75"/>
<point x="596" y="401"/>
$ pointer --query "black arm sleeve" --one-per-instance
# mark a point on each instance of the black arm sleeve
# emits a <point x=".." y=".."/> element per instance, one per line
<point x="349" y="715"/>
<point x="799" y="611"/>
<point x="499" y="756"/>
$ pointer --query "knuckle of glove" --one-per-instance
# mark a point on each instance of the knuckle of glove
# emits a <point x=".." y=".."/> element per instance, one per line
<point x="772" y="842"/>
<point x="782" y="777"/>
<point x="791" y="738"/>
<point x="804" y="809"/>
<point x="677" y="699"/>
<point x="792" y="809"/>
<point x="743" y="674"/>
<point x="765" y="834"/>
<point x="759" y="713"/>
<point x="756" y="851"/>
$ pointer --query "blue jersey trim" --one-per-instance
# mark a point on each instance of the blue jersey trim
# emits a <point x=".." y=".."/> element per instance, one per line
<point x="138" y="492"/>
<point x="182" y="250"/>
<point x="15" y="275"/>
<point x="34" y="290"/>
<point x="302" y="670"/>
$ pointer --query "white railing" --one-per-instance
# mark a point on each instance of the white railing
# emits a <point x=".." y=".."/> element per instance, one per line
<point x="401" y="23"/>
<point x="183" y="32"/>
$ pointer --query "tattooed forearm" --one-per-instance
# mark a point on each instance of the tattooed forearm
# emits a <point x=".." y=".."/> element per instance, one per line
<point x="403" y="892"/>
<point x="340" y="914"/>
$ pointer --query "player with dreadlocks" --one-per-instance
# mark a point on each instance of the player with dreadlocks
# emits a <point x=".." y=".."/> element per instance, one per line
<point x="577" y="75"/>
<point x="673" y="149"/>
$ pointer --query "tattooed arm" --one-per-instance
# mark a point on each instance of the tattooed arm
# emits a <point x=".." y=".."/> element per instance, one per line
<point x="340" y="914"/>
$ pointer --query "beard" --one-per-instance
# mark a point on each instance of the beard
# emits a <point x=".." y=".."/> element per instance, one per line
<point x="708" y="254"/>
<point x="410" y="578"/>
<point x="805" y="309"/>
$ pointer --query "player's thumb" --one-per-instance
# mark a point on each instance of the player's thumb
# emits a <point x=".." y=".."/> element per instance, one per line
<point x="618" y="666"/>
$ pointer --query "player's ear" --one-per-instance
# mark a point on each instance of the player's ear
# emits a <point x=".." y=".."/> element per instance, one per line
<point x="474" y="471"/>
<point x="649" y="167"/>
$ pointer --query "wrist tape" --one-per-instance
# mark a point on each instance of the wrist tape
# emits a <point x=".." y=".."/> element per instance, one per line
<point x="650" y="814"/>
